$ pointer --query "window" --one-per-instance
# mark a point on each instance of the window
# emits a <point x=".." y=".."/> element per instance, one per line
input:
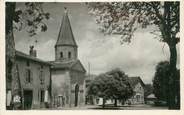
<point x="28" y="75"/>
<point x="41" y="77"/>
<point x="69" y="54"/>
<point x="27" y="63"/>
<point x="61" y="54"/>
<point x="42" y="96"/>
<point x="138" y="98"/>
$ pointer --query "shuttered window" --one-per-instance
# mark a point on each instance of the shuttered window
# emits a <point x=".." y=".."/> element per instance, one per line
<point x="28" y="76"/>
<point x="42" y="78"/>
<point x="69" y="54"/>
<point x="61" y="54"/>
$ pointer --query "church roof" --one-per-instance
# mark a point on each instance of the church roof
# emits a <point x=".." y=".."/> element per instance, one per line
<point x="74" y="64"/>
<point x="65" y="36"/>
<point x="135" y="80"/>
<point x="62" y="65"/>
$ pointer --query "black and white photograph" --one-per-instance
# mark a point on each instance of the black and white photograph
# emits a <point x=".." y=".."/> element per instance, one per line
<point x="92" y="55"/>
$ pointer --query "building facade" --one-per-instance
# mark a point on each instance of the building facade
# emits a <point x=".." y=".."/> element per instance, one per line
<point x="138" y="88"/>
<point x="34" y="80"/>
<point x="68" y="73"/>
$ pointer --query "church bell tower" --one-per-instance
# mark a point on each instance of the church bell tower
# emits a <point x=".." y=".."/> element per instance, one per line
<point x="66" y="47"/>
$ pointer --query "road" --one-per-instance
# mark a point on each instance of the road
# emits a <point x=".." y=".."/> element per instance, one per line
<point x="132" y="107"/>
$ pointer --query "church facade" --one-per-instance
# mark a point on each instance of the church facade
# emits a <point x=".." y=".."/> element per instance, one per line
<point x="67" y="71"/>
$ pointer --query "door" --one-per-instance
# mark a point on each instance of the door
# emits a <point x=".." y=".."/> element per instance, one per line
<point x="76" y="95"/>
<point x="28" y="97"/>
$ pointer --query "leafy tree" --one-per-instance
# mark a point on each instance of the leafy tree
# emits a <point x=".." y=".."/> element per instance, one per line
<point x="111" y="85"/>
<point x="123" y="18"/>
<point x="161" y="82"/>
<point x="30" y="18"/>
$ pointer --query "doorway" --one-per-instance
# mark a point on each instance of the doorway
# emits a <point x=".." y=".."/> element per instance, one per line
<point x="28" y="97"/>
<point x="76" y="94"/>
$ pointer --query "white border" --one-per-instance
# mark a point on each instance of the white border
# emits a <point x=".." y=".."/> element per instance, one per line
<point x="3" y="110"/>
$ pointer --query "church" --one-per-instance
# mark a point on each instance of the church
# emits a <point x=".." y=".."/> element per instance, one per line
<point x="67" y="72"/>
<point x="39" y="84"/>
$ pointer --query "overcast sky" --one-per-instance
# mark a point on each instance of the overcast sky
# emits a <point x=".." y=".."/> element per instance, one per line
<point x="103" y="52"/>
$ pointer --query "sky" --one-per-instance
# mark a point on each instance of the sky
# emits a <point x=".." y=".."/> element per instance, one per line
<point x="101" y="52"/>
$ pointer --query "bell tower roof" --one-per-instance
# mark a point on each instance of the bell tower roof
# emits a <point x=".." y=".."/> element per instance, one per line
<point x="65" y="36"/>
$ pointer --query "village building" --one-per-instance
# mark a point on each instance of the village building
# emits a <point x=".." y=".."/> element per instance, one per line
<point x="138" y="87"/>
<point x="34" y="82"/>
<point x="68" y="73"/>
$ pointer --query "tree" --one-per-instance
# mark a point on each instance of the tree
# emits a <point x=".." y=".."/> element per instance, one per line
<point x="161" y="82"/>
<point x="123" y="18"/>
<point x="111" y="85"/>
<point x="31" y="18"/>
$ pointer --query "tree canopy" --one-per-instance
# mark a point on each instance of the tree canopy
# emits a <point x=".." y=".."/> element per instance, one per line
<point x="124" y="18"/>
<point x="111" y="85"/>
<point x="29" y="17"/>
<point x="161" y="81"/>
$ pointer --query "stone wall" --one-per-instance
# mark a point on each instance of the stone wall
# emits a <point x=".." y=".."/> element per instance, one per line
<point x="64" y="82"/>
<point x="65" y="50"/>
<point x="61" y="84"/>
<point x="78" y="77"/>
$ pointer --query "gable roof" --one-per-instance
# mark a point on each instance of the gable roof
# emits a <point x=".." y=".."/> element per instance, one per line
<point x="68" y="65"/>
<point x="65" y="36"/>
<point x="135" y="80"/>
<point x="19" y="54"/>
<point x="78" y="66"/>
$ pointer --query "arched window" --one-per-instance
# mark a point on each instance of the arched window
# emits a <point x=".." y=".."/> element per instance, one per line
<point x="61" y="54"/>
<point x="69" y="54"/>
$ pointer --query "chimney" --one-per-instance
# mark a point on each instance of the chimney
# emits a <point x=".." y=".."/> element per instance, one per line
<point x="32" y="52"/>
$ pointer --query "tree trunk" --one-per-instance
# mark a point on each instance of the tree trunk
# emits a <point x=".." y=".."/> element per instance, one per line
<point x="12" y="76"/>
<point x="115" y="102"/>
<point x="103" y="105"/>
<point x="172" y="76"/>
<point x="10" y="45"/>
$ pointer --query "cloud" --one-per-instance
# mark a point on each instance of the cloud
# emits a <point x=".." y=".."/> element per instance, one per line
<point x="139" y="58"/>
